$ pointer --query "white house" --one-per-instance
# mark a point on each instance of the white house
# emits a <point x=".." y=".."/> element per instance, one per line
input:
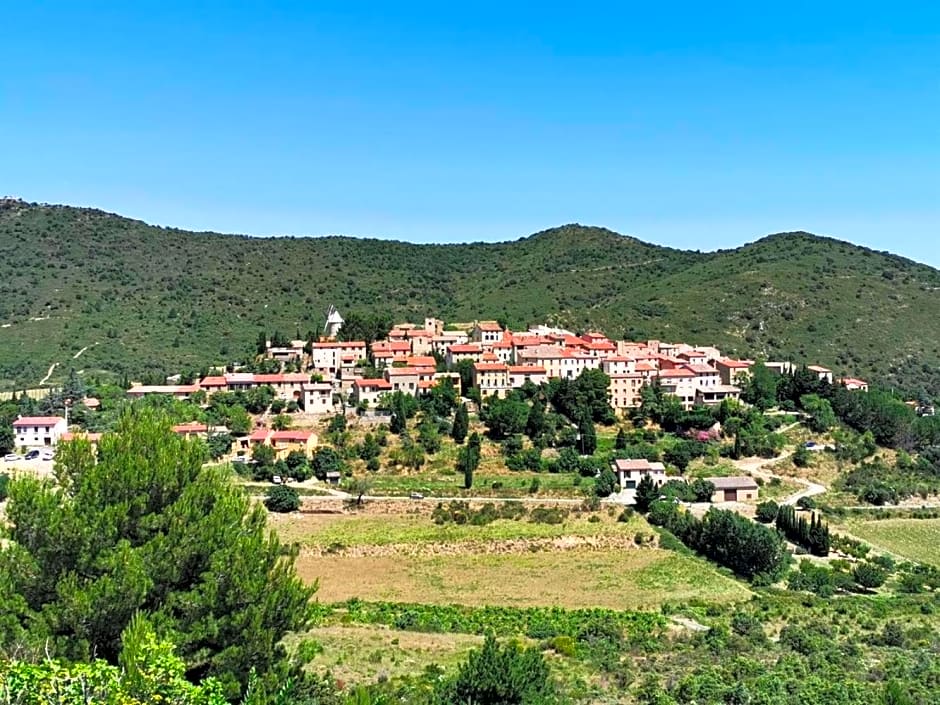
<point x="318" y="397"/>
<point x="38" y="431"/>
<point x="630" y="472"/>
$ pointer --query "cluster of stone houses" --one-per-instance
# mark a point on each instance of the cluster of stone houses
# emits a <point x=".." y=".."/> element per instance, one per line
<point x="408" y="360"/>
<point x="412" y="358"/>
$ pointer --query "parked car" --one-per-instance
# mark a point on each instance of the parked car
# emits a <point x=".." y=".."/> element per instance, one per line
<point x="32" y="455"/>
<point x="416" y="495"/>
<point x="11" y="457"/>
<point x="277" y="480"/>
<point x="47" y="455"/>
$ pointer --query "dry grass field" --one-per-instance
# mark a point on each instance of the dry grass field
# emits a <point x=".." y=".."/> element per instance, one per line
<point x="395" y="553"/>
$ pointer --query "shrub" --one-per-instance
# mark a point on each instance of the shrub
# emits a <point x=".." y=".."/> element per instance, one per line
<point x="548" y="515"/>
<point x="869" y="576"/>
<point x="564" y="645"/>
<point x="767" y="512"/>
<point x="282" y="498"/>
<point x="806" y="503"/>
<point x="4" y="486"/>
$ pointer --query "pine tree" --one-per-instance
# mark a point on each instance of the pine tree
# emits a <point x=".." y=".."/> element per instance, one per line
<point x="146" y="528"/>
<point x="461" y="425"/>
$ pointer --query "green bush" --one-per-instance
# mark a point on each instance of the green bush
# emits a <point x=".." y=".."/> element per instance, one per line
<point x="564" y="645"/>
<point x="281" y="498"/>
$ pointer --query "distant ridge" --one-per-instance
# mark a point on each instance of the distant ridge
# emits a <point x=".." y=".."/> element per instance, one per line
<point x="158" y="299"/>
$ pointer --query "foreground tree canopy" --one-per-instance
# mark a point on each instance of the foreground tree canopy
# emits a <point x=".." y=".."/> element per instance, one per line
<point x="146" y="530"/>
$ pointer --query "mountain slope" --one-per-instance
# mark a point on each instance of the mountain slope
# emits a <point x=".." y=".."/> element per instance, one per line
<point x="134" y="298"/>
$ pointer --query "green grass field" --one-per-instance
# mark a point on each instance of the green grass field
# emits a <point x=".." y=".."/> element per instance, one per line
<point x="914" y="539"/>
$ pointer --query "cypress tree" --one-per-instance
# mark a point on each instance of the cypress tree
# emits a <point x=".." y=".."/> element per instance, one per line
<point x="461" y="424"/>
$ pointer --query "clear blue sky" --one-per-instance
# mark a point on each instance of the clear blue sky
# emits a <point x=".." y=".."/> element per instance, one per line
<point x="691" y="124"/>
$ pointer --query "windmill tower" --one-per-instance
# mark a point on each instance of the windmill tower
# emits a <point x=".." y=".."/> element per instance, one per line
<point x="333" y="323"/>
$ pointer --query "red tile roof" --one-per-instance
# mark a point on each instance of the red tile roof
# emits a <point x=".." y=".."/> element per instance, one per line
<point x="527" y="370"/>
<point x="217" y="381"/>
<point x="677" y="372"/>
<point x="737" y="364"/>
<point x="372" y="383"/>
<point x="37" y="421"/>
<point x="298" y="436"/>
<point x="491" y="367"/>
<point x="465" y="348"/>
<point x="421" y="361"/>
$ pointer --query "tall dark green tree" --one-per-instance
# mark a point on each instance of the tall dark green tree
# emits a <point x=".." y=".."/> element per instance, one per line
<point x="461" y="425"/>
<point x="147" y="528"/>
<point x="587" y="434"/>
<point x="468" y="459"/>
<point x="646" y="493"/>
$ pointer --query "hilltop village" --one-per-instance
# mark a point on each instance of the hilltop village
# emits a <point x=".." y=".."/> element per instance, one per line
<point x="479" y="362"/>
<point x="413" y="358"/>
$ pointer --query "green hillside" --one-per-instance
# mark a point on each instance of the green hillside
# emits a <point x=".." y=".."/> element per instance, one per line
<point x="137" y="298"/>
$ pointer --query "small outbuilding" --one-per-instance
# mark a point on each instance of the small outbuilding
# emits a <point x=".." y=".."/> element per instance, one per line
<point x="733" y="489"/>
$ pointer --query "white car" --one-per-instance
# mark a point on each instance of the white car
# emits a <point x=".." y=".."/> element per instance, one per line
<point x="11" y="457"/>
<point x="47" y="456"/>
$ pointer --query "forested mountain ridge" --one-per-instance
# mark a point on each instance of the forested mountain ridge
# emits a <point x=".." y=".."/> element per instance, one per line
<point x="134" y="298"/>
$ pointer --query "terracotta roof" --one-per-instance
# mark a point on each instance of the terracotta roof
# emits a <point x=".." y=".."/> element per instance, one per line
<point x="37" y="421"/>
<point x="491" y="367"/>
<point x="818" y="368"/>
<point x="403" y="371"/>
<point x="739" y="364"/>
<point x="677" y="372"/>
<point x="489" y="326"/>
<point x="527" y="370"/>
<point x="302" y="436"/>
<point x="645" y="367"/>
<point x="465" y="348"/>
<point x="217" y="381"/>
<point x="426" y="383"/>
<point x="370" y="383"/>
<point x="259" y="435"/>
<point x="421" y="361"/>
